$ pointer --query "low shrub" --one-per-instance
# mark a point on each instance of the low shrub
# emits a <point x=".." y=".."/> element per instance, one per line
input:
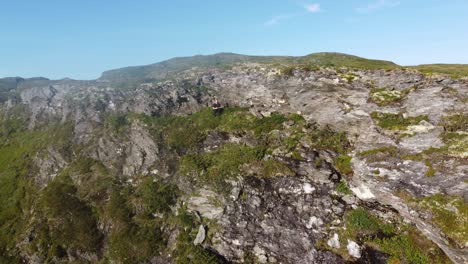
<point x="396" y="121"/>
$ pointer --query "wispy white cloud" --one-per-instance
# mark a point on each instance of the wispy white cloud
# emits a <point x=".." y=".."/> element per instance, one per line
<point x="377" y="5"/>
<point x="309" y="8"/>
<point x="277" y="19"/>
<point x="312" y="8"/>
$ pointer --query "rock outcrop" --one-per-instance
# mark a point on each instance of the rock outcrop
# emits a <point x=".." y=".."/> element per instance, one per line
<point x="407" y="143"/>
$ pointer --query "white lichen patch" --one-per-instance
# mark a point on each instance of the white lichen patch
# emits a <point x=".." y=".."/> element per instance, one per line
<point x="422" y="127"/>
<point x="386" y="95"/>
<point x="458" y="147"/>
<point x="363" y="192"/>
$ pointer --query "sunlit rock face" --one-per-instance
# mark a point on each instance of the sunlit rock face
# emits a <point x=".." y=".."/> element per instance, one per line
<point x="321" y="165"/>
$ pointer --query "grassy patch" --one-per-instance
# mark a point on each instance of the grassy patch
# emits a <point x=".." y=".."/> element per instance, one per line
<point x="135" y="236"/>
<point x="455" y="135"/>
<point x="186" y="251"/>
<point x="454" y="123"/>
<point x="450" y="214"/>
<point x="430" y="172"/>
<point x="217" y="167"/>
<point x="456" y="143"/>
<point x="18" y="191"/>
<point x="117" y="122"/>
<point x="342" y="187"/>
<point x="185" y="133"/>
<point x="384" y="96"/>
<point x="379" y="154"/>
<point x="349" y="76"/>
<point x="454" y="70"/>
<point x="328" y="139"/>
<point x="157" y="197"/>
<point x="68" y="223"/>
<point x="343" y="164"/>
<point x="403" y="243"/>
<point x="360" y="222"/>
<point x="268" y="168"/>
<point x="396" y="122"/>
<point x="132" y="239"/>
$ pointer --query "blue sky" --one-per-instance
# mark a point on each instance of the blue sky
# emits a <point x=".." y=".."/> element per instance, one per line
<point x="82" y="38"/>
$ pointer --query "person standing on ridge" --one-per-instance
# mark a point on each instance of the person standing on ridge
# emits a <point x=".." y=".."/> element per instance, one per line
<point x="217" y="108"/>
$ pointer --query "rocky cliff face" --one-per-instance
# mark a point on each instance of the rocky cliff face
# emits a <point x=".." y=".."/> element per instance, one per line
<point x="325" y="165"/>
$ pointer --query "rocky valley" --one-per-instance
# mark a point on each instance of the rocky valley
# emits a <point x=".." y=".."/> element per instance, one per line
<point x="326" y="158"/>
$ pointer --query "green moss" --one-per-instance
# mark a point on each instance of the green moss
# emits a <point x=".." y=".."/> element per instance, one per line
<point x="271" y="168"/>
<point x="328" y="139"/>
<point x="343" y="164"/>
<point x="430" y="172"/>
<point x="135" y="244"/>
<point x="157" y="197"/>
<point x="18" y="191"/>
<point x="118" y="122"/>
<point x="360" y="221"/>
<point x="349" y="76"/>
<point x="403" y="243"/>
<point x="456" y="143"/>
<point x="392" y="121"/>
<point x="402" y="248"/>
<point x="217" y="167"/>
<point x="450" y="214"/>
<point x="267" y="124"/>
<point x="68" y="222"/>
<point x="297" y="155"/>
<point x="385" y="96"/>
<point x="185" y="133"/>
<point x="185" y="251"/>
<point x="133" y="238"/>
<point x="454" y="123"/>
<point x="342" y="187"/>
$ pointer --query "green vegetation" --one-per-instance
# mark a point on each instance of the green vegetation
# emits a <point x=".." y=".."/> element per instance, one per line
<point x="392" y="121"/>
<point x="117" y="122"/>
<point x="157" y="197"/>
<point x="430" y="169"/>
<point x="456" y="143"/>
<point x="454" y="70"/>
<point x="289" y="70"/>
<point x="456" y="122"/>
<point x="361" y="221"/>
<point x="185" y="133"/>
<point x="67" y="222"/>
<point x="450" y="213"/>
<point x="186" y="252"/>
<point x="349" y="77"/>
<point x="384" y="96"/>
<point x="403" y="243"/>
<point x="328" y="139"/>
<point x="344" y="60"/>
<point x="216" y="167"/>
<point x="63" y="217"/>
<point x="132" y="76"/>
<point x="342" y="187"/>
<point x="134" y="237"/>
<point x="18" y="192"/>
<point x="455" y="135"/>
<point x="379" y="154"/>
<point x="343" y="164"/>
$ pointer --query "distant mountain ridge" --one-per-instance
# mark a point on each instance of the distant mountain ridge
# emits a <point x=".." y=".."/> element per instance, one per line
<point x="160" y="69"/>
<point x="322" y="59"/>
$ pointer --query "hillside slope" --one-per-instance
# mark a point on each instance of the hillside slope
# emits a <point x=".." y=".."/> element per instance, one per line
<point x="166" y="68"/>
<point x="304" y="165"/>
